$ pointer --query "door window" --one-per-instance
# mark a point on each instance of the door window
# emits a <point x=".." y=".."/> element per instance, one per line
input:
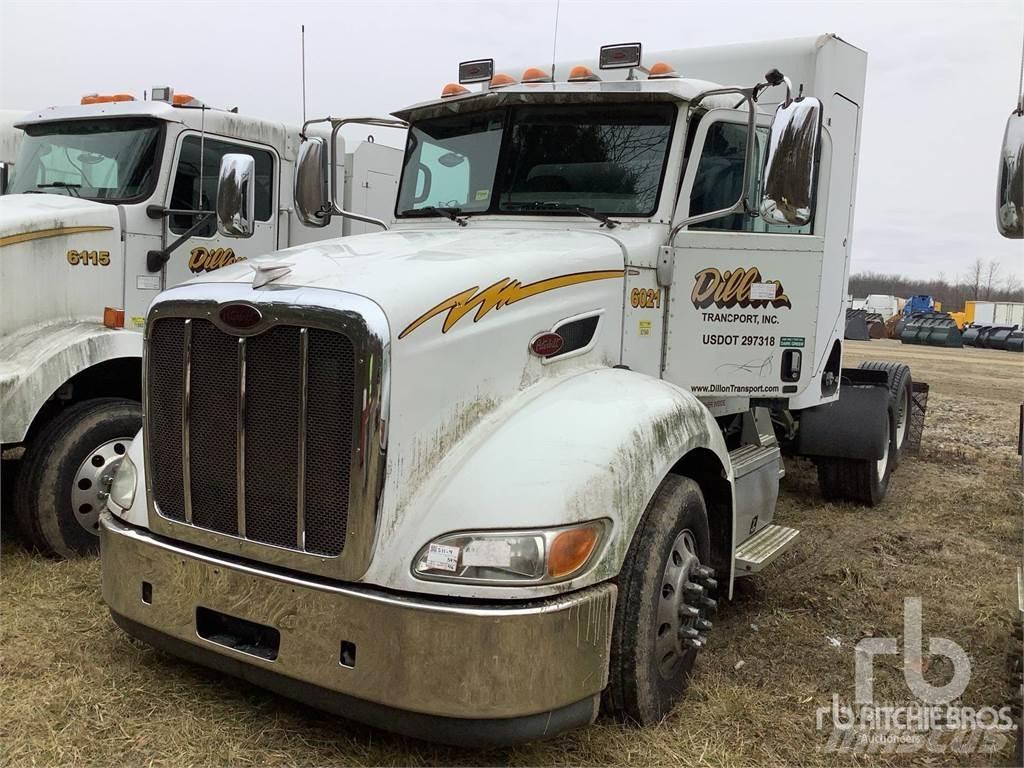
<point x="719" y="179"/>
<point x="195" y="181"/>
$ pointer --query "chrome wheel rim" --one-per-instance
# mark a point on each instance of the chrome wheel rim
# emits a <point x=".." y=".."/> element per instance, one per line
<point x="673" y="605"/>
<point x="884" y="461"/>
<point x="902" y="419"/>
<point x="91" y="484"/>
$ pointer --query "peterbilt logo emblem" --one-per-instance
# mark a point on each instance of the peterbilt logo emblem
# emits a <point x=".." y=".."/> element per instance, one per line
<point x="208" y="259"/>
<point x="740" y="287"/>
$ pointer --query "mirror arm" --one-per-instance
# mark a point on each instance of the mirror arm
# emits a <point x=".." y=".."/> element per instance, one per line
<point x="159" y="212"/>
<point x="332" y="160"/>
<point x="740" y="206"/>
<point x="155" y="260"/>
<point x="750" y="95"/>
<point x="336" y="211"/>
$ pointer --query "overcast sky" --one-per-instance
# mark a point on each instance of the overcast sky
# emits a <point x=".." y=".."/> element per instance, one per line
<point x="942" y="78"/>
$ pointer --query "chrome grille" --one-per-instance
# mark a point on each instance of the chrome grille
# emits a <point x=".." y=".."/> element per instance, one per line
<point x="255" y="432"/>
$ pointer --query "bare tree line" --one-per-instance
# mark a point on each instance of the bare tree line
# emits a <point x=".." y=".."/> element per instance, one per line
<point x="983" y="281"/>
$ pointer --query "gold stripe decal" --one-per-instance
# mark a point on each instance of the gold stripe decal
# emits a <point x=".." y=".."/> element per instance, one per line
<point x="39" y="234"/>
<point x="496" y="296"/>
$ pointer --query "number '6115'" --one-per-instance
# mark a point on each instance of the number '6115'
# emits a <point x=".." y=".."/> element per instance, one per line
<point x="94" y="258"/>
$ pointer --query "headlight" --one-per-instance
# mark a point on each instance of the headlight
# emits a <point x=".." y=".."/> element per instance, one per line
<point x="122" y="489"/>
<point x="511" y="557"/>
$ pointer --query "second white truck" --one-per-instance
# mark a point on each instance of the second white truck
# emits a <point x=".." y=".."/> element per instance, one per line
<point x="109" y="203"/>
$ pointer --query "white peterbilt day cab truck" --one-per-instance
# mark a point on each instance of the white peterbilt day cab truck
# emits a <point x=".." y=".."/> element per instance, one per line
<point x="103" y="211"/>
<point x="468" y="477"/>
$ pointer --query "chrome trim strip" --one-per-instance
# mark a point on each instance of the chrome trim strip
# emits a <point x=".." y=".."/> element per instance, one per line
<point x="186" y="405"/>
<point x="240" y="441"/>
<point x="300" y="470"/>
<point x="363" y="322"/>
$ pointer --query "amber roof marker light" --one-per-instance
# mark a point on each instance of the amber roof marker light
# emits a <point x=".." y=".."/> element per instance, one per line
<point x="453" y="89"/>
<point x="581" y="74"/>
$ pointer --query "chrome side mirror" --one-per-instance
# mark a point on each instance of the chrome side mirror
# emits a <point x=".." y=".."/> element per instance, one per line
<point x="1010" y="192"/>
<point x="236" y="196"/>
<point x="312" y="180"/>
<point x="791" y="166"/>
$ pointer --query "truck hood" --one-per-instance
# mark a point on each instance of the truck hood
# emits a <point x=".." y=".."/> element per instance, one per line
<point x="42" y="277"/>
<point x="463" y="306"/>
<point x="410" y="272"/>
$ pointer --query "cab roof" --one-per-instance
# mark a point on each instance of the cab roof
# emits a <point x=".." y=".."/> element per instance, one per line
<point x="213" y="121"/>
<point x="678" y="90"/>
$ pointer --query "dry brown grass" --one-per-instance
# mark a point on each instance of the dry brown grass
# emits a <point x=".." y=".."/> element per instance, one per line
<point x="74" y="689"/>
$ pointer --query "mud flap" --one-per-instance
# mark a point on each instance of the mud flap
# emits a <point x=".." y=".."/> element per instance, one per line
<point x="852" y="427"/>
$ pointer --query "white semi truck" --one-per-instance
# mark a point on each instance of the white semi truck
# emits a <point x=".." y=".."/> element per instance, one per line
<point x="109" y="204"/>
<point x="468" y="477"/>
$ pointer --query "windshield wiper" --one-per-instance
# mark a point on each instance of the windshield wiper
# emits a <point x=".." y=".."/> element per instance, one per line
<point x="61" y="185"/>
<point x="449" y="213"/>
<point x="604" y="218"/>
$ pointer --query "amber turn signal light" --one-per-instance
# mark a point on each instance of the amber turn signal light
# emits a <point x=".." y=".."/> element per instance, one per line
<point x="113" y="317"/>
<point x="571" y="549"/>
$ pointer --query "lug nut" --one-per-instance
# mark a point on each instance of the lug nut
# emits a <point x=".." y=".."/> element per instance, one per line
<point x="703" y="572"/>
<point x="703" y="625"/>
<point x="709" y="603"/>
<point x="694" y="642"/>
<point x="688" y="611"/>
<point x="688" y="633"/>
<point x="693" y="591"/>
<point x="710" y="585"/>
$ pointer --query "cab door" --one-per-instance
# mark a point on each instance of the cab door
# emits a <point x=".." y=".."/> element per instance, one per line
<point x="194" y="187"/>
<point x="744" y="295"/>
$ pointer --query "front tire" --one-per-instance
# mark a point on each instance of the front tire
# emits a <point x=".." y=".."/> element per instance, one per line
<point x="662" y="615"/>
<point x="66" y="471"/>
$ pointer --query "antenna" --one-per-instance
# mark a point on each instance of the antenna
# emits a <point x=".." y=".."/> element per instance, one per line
<point x="303" y="35"/>
<point x="554" y="41"/>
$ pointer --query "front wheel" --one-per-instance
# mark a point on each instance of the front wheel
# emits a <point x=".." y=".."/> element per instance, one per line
<point x="66" y="473"/>
<point x="663" y="613"/>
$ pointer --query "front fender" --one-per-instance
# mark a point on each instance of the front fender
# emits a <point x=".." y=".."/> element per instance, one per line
<point x="593" y="445"/>
<point x="36" y="361"/>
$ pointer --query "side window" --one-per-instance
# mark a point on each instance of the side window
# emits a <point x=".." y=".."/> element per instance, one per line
<point x="195" y="181"/>
<point x="720" y="176"/>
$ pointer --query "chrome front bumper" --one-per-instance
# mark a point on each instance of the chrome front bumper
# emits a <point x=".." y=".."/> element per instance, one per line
<point x="456" y="672"/>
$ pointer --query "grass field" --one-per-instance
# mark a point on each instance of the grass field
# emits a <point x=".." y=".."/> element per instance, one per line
<point x="74" y="689"/>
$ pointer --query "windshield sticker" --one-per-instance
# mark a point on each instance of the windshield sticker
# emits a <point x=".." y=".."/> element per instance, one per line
<point x="483" y="194"/>
<point x="735" y="288"/>
<point x="496" y="296"/>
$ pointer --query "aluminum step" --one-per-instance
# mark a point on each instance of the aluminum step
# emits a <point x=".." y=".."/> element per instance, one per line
<point x="750" y="458"/>
<point x="763" y="547"/>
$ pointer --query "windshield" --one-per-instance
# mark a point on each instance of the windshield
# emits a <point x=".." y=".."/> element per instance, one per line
<point x="111" y="160"/>
<point x="606" y="158"/>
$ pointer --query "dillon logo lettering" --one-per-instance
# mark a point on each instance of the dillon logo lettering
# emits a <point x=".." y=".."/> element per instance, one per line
<point x="740" y="287"/>
<point x="208" y="259"/>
